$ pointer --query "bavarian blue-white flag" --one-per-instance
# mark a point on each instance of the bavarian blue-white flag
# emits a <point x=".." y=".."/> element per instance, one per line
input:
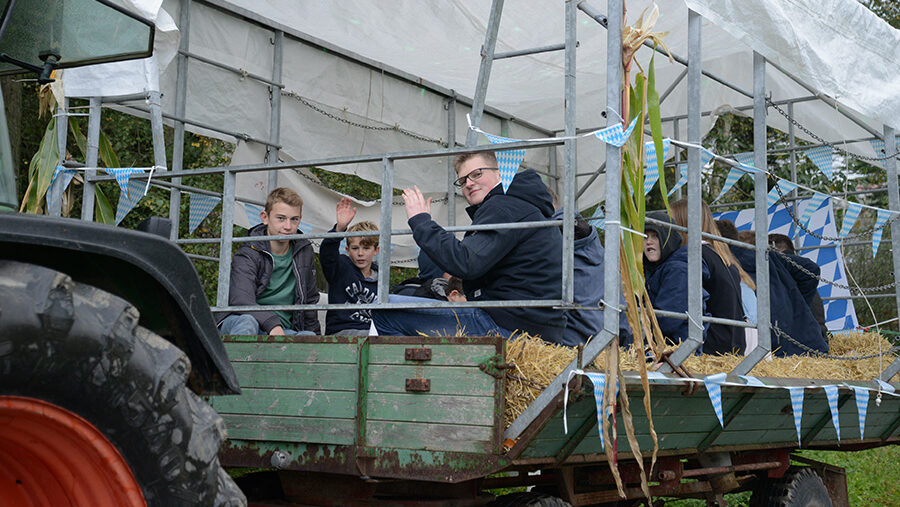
<point x="733" y="176"/>
<point x="785" y="186"/>
<point x="882" y="218"/>
<point x="746" y="161"/>
<point x="55" y="192"/>
<point x="878" y="146"/>
<point x="823" y="157"/>
<point x="599" y="381"/>
<point x="507" y="160"/>
<point x="713" y="385"/>
<point x="831" y="392"/>
<point x="811" y="206"/>
<point x="850" y="219"/>
<point x="654" y="165"/>
<point x="614" y="134"/>
<point x="128" y="200"/>
<point x="253" y="212"/>
<point x="123" y="175"/>
<point x="598" y="218"/>
<point x="201" y="206"/>
<point x="682" y="180"/>
<point x="862" y="405"/>
<point x="797" y="405"/>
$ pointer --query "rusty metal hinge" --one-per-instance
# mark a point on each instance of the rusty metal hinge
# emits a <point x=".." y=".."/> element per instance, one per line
<point x="422" y="385"/>
<point x="418" y="354"/>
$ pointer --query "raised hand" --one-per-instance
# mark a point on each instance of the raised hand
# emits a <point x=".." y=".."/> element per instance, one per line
<point x="415" y="202"/>
<point x="345" y="213"/>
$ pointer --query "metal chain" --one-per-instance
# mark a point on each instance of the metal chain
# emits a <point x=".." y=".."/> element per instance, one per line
<point x="830" y="145"/>
<point x="335" y="117"/>
<point x="782" y="334"/>
<point x="790" y="210"/>
<point x="858" y="290"/>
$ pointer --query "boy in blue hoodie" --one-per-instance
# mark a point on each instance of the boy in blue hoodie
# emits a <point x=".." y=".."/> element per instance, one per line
<point x="352" y="278"/>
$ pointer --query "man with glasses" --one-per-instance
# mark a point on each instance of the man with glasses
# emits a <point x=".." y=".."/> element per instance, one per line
<point x="495" y="265"/>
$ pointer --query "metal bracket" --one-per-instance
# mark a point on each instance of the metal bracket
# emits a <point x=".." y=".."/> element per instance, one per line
<point x="418" y="354"/>
<point x="422" y="385"/>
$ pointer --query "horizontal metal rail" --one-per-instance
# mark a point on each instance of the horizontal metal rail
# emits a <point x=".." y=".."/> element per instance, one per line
<point x="534" y="303"/>
<point x="728" y="241"/>
<point x="240" y="72"/>
<point x="706" y="318"/>
<point x="532" y="51"/>
<point x="236" y="135"/>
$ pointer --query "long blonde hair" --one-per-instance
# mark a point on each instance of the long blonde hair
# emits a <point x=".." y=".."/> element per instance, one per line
<point x="680" y="216"/>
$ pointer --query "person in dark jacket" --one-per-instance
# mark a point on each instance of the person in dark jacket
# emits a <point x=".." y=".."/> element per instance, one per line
<point x="809" y="286"/>
<point x="666" y="275"/>
<point x="352" y="278"/>
<point x="494" y="265"/>
<point x="275" y="272"/>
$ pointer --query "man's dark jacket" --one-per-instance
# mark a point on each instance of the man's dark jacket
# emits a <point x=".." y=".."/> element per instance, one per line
<point x="505" y="264"/>
<point x="251" y="269"/>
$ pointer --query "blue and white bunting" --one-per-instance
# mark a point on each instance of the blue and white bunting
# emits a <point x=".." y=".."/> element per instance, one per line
<point x="201" y="206"/>
<point x="253" y="212"/>
<point x="862" y="405"/>
<point x="714" y="389"/>
<point x="746" y="161"/>
<point x="812" y="205"/>
<point x="128" y="200"/>
<point x="57" y="187"/>
<point x="823" y="158"/>
<point x="706" y="157"/>
<point x="733" y="176"/>
<point x="797" y="405"/>
<point x="507" y="160"/>
<point x="752" y="381"/>
<point x="785" y="186"/>
<point x="598" y="218"/>
<point x="884" y="386"/>
<point x="850" y="219"/>
<point x="653" y="170"/>
<point x="682" y="180"/>
<point x="878" y="146"/>
<point x="831" y="392"/>
<point x="123" y="175"/>
<point x="881" y="219"/>
<point x="614" y="134"/>
<point x="599" y="381"/>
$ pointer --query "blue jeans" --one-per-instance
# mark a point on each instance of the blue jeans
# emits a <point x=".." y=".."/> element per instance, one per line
<point x="243" y="324"/>
<point x="434" y="321"/>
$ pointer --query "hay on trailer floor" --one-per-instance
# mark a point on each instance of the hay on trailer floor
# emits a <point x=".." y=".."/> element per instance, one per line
<point x="537" y="363"/>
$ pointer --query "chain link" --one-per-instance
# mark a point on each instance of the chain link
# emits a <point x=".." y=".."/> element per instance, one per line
<point x="814" y="352"/>
<point x="830" y="145"/>
<point x="857" y="290"/>
<point x="396" y="128"/>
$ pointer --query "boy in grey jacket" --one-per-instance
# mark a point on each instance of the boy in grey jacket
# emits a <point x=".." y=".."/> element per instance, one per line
<point x="275" y="272"/>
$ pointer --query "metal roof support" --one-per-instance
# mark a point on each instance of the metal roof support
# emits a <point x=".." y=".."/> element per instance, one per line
<point x="484" y="71"/>
<point x="890" y="167"/>
<point x="384" y="238"/>
<point x="156" y="130"/>
<point x="91" y="157"/>
<point x="228" y="191"/>
<point x="569" y="202"/>
<point x="275" y="100"/>
<point x="451" y="173"/>
<point x="184" y="25"/>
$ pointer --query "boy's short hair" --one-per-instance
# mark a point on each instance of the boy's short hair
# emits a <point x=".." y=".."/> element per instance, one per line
<point x="364" y="226"/>
<point x="782" y="243"/>
<point x="285" y="195"/>
<point x="748" y="237"/>
<point x="454" y="284"/>
<point x="460" y="159"/>
<point x="727" y="229"/>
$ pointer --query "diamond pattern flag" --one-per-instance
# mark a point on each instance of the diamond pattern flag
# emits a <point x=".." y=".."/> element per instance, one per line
<point x="797" y="405"/>
<point x="508" y="160"/>
<point x="734" y="175"/>
<point x="883" y="216"/>
<point x="598" y="219"/>
<point x="599" y="381"/>
<point x="123" y="175"/>
<point x="128" y="200"/>
<point x="850" y="219"/>
<point x="785" y="186"/>
<point x="823" y="157"/>
<point x="714" y="389"/>
<point x="813" y="204"/>
<point x="201" y="206"/>
<point x="862" y="405"/>
<point x="614" y="134"/>
<point x="682" y="180"/>
<point x="651" y="175"/>
<point x="253" y="212"/>
<point x="831" y="392"/>
<point x="878" y="146"/>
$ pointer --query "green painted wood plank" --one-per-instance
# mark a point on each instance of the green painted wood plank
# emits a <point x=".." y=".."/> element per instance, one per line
<point x="431" y="408"/>
<point x="441" y="355"/>
<point x="434" y="437"/>
<point x="289" y="402"/>
<point x="290" y="429"/>
<point x="293" y="352"/>
<point x="444" y="379"/>
<point x="333" y="377"/>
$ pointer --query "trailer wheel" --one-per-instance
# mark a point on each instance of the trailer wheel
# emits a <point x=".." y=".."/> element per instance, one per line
<point x="528" y="499"/>
<point x="93" y="408"/>
<point x="799" y="487"/>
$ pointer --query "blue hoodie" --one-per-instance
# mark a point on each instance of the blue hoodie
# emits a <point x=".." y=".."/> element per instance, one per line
<point x="346" y="284"/>
<point x="505" y="264"/>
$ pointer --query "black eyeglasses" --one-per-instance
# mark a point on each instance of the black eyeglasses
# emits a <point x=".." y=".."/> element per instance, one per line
<point x="474" y="175"/>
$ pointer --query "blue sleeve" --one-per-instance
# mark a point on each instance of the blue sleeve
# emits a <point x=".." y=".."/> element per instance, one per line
<point x="329" y="257"/>
<point x="672" y="297"/>
<point x="805" y="283"/>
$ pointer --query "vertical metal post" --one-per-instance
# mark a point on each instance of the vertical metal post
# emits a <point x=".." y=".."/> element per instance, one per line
<point x="54" y="198"/>
<point x="675" y="132"/>
<point x="793" y="159"/>
<point x="451" y="173"/>
<point x="570" y="147"/>
<point x="157" y="131"/>
<point x="694" y="195"/>
<point x="275" y="97"/>
<point x="184" y="26"/>
<point x="384" y="237"/>
<point x="890" y="167"/>
<point x="484" y="71"/>
<point x="761" y="219"/>
<point x="91" y="158"/>
<point x="227" y="236"/>
<point x="554" y="168"/>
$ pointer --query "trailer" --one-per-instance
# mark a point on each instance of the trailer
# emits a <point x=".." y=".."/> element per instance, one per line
<point x="419" y="420"/>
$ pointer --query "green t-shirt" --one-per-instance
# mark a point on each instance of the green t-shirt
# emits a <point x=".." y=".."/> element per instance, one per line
<point x="280" y="290"/>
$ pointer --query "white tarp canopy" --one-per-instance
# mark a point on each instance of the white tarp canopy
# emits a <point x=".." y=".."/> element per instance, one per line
<point x="837" y="47"/>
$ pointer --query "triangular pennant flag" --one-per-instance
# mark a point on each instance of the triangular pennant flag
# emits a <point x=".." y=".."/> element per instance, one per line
<point x="253" y="212"/>
<point x="127" y="201"/>
<point x="831" y="392"/>
<point x="123" y="175"/>
<point x="682" y="180"/>
<point x="878" y="146"/>
<point x="850" y="219"/>
<point x="785" y="186"/>
<point x="752" y="381"/>
<point x="55" y="192"/>
<point x="714" y="389"/>
<point x="746" y="161"/>
<point x="797" y="405"/>
<point x="814" y="203"/>
<point x="706" y="156"/>
<point x="823" y="157"/>
<point x="599" y="381"/>
<point x="652" y="172"/>
<point x="508" y="160"/>
<point x="862" y="405"/>
<point x="598" y="218"/>
<point x="882" y="218"/>
<point x="885" y="386"/>
<point x="614" y="134"/>
<point x="733" y="176"/>
<point x="201" y="206"/>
